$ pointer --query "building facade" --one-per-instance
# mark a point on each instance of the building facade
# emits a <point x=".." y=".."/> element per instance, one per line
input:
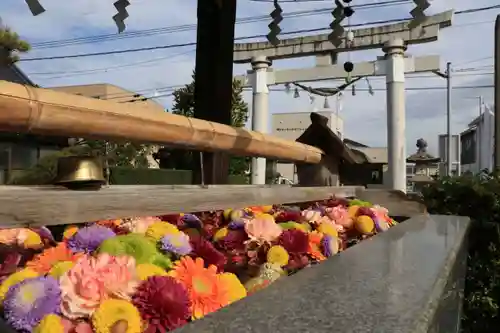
<point x="476" y="143"/>
<point x="19" y="151"/>
<point x="291" y="125"/>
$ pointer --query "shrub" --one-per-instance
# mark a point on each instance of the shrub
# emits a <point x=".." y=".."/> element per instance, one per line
<point x="479" y="198"/>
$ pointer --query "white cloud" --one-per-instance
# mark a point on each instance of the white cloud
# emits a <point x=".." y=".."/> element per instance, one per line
<point x="468" y="43"/>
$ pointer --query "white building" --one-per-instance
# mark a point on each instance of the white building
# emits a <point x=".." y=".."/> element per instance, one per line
<point x="476" y="143"/>
<point x="291" y="125"/>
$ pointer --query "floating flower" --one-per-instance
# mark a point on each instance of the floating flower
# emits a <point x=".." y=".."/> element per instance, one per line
<point x="294" y="241"/>
<point x="314" y="246"/>
<point x="157" y="230"/>
<point x="310" y="215"/>
<point x="277" y="255"/>
<point x="70" y="231"/>
<point x="234" y="240"/>
<point x="60" y="268"/>
<point x="163" y="303"/>
<point x="88" y="239"/>
<point x="95" y="279"/>
<point x="139" y="225"/>
<point x="22" y="237"/>
<point x="51" y="323"/>
<point x="364" y="224"/>
<point x="237" y="224"/>
<point x="262" y="228"/>
<point x="206" y="251"/>
<point x="44" y="261"/>
<point x="112" y="311"/>
<point x="142" y="249"/>
<point x="10" y="258"/>
<point x="289" y="215"/>
<point x="328" y="229"/>
<point x="14" y="279"/>
<point x="206" y="291"/>
<point x="191" y="220"/>
<point x="340" y="216"/>
<point x="29" y="301"/>
<point x="237" y="214"/>
<point x="235" y="289"/>
<point x="330" y="245"/>
<point x="177" y="244"/>
<point x="144" y="271"/>
<point x="220" y="234"/>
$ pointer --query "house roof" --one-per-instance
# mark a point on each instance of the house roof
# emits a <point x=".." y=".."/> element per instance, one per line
<point x="14" y="74"/>
<point x="320" y="135"/>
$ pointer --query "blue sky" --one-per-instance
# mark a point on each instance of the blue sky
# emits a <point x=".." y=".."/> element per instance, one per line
<point x="468" y="44"/>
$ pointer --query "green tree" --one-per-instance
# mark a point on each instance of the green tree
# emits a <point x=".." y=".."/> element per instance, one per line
<point x="123" y="154"/>
<point x="10" y="46"/>
<point x="184" y="105"/>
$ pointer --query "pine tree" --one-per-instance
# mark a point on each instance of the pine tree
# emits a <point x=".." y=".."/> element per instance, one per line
<point x="10" y="46"/>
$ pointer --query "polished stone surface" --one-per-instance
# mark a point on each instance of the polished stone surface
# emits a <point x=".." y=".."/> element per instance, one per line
<point x="393" y="283"/>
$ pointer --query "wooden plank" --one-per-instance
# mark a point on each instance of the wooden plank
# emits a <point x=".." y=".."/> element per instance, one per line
<point x="37" y="206"/>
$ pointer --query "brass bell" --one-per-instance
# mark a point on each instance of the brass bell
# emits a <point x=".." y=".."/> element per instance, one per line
<point x="79" y="172"/>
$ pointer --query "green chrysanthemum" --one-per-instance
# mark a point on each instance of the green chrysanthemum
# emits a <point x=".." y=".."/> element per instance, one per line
<point x="360" y="203"/>
<point x="295" y="225"/>
<point x="137" y="246"/>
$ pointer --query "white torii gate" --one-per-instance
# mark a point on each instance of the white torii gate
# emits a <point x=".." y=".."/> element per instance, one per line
<point x="393" y="65"/>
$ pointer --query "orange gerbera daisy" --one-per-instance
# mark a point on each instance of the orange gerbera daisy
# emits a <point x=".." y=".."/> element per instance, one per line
<point x="314" y="246"/>
<point x="43" y="262"/>
<point x="205" y="288"/>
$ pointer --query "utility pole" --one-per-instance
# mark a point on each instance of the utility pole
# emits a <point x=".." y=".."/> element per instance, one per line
<point x="260" y="112"/>
<point x="449" y="146"/>
<point x="497" y="96"/>
<point x="480" y="134"/>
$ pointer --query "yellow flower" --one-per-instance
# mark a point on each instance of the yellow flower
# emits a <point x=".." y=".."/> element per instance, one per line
<point x="227" y="214"/>
<point x="328" y="229"/>
<point x="277" y="255"/>
<point x="51" y="323"/>
<point x="144" y="271"/>
<point x="364" y="224"/>
<point x="235" y="289"/>
<point x="220" y="234"/>
<point x="267" y="209"/>
<point x="33" y="239"/>
<point x="159" y="229"/>
<point x="70" y="231"/>
<point x="112" y="311"/>
<point x="15" y="278"/>
<point x="60" y="268"/>
<point x="352" y="211"/>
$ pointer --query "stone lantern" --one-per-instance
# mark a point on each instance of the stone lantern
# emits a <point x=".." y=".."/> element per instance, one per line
<point x="426" y="165"/>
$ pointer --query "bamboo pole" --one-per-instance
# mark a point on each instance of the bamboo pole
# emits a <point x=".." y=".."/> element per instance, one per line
<point x="44" y="111"/>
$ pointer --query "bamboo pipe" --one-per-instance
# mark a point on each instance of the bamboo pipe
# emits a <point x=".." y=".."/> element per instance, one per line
<point x="44" y="111"/>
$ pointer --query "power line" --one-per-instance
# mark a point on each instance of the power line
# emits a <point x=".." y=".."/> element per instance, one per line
<point x="362" y="89"/>
<point x="468" y="11"/>
<point x="171" y="88"/>
<point x="190" y="27"/>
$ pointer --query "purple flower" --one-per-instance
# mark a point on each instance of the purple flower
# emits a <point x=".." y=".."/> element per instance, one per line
<point x="27" y="302"/>
<point x="192" y="221"/>
<point x="330" y="245"/>
<point x="237" y="224"/>
<point x="176" y="243"/>
<point x="88" y="239"/>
